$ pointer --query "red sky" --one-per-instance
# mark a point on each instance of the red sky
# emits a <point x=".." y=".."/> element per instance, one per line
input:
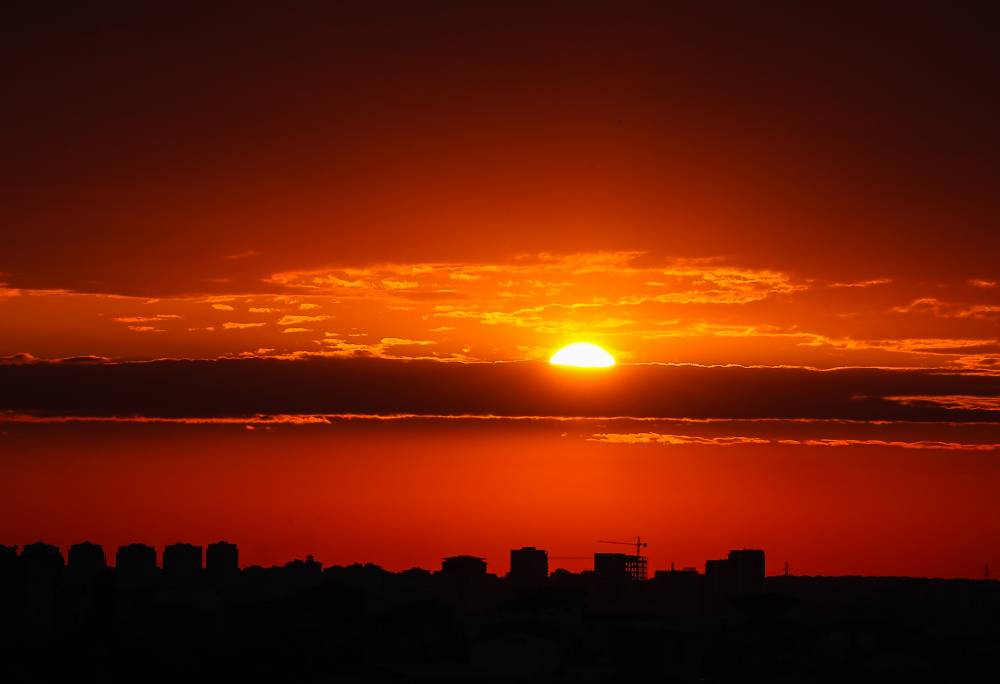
<point x="783" y="189"/>
<point x="406" y="493"/>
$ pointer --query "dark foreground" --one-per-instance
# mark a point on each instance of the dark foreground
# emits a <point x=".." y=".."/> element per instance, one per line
<point x="301" y="623"/>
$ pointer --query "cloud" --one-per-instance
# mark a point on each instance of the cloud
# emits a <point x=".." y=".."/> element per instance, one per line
<point x="660" y="438"/>
<point x="955" y="401"/>
<point x="294" y="320"/>
<point x="644" y="307"/>
<point x="84" y="359"/>
<point x="399" y="284"/>
<point x="296" y="330"/>
<point x="384" y="349"/>
<point x="319" y="281"/>
<point x="25" y="358"/>
<point x="19" y="359"/>
<point x="313" y="384"/>
<point x="684" y="440"/>
<point x="941" y="309"/>
<point x="339" y="347"/>
<point x="689" y="280"/>
<point x="402" y="341"/>
<point x="863" y="283"/>
<point x="228" y="325"/>
<point x="922" y="444"/>
<point x="243" y="255"/>
<point x="146" y="319"/>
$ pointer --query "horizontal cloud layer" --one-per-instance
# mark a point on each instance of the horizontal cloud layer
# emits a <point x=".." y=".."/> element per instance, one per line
<point x="640" y="307"/>
<point x="739" y="440"/>
<point x="245" y="387"/>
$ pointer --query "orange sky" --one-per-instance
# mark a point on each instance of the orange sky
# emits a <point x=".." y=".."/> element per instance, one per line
<point x="406" y="493"/>
<point x="763" y="188"/>
<point x="641" y="308"/>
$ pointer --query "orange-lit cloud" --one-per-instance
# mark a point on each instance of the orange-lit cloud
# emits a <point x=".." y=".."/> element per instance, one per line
<point x="942" y="309"/>
<point x="660" y="438"/>
<point x="145" y="319"/>
<point x="295" y="320"/>
<point x="229" y="325"/>
<point x="958" y="402"/>
<point x="677" y="440"/>
<point x="708" y="311"/>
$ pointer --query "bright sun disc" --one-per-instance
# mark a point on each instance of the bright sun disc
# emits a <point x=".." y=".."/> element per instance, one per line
<point x="582" y="355"/>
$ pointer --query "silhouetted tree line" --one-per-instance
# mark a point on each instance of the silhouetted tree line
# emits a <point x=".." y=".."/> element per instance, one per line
<point x="81" y="619"/>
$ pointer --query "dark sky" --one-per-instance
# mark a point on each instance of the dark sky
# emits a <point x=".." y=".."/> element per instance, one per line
<point x="156" y="138"/>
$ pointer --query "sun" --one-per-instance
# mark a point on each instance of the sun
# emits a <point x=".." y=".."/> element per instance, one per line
<point x="582" y="355"/>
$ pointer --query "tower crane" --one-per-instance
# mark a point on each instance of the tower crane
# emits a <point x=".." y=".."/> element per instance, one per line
<point x="639" y="544"/>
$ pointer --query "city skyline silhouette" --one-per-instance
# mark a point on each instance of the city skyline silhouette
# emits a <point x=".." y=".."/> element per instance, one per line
<point x="360" y="620"/>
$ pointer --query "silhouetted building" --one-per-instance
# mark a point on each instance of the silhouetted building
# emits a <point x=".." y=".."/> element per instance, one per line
<point x="678" y="592"/>
<point x="365" y="576"/>
<point x="719" y="573"/>
<point x="222" y="561"/>
<point x="528" y="566"/>
<point x="747" y="569"/>
<point x="672" y="576"/>
<point x="135" y="562"/>
<point x="298" y="622"/>
<point x="86" y="561"/>
<point x="619" y="567"/>
<point x="182" y="561"/>
<point x="719" y="585"/>
<point x="301" y="574"/>
<point x="463" y="568"/>
<point x="416" y="574"/>
<point x="11" y="594"/>
<point x="41" y="559"/>
<point x="10" y="563"/>
<point x="43" y="567"/>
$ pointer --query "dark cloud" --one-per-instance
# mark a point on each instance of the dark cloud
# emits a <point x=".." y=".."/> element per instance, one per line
<point x="24" y="358"/>
<point x="240" y="387"/>
<point x="17" y="359"/>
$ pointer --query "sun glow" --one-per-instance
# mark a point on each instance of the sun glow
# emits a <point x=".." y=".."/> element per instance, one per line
<point x="582" y="355"/>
